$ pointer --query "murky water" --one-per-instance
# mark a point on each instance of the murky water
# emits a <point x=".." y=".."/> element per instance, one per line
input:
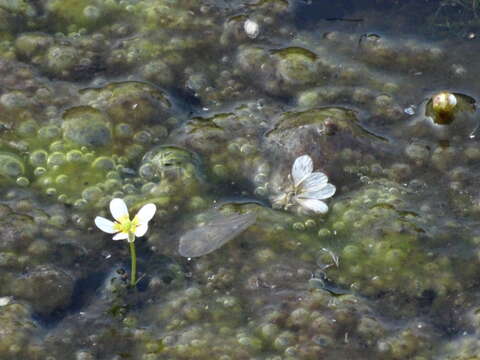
<point x="202" y="108"/>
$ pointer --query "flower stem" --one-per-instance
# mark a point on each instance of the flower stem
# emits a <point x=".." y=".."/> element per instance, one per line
<point x="133" y="256"/>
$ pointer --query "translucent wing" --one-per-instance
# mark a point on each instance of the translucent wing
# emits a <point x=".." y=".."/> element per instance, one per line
<point x="302" y="167"/>
<point x="208" y="238"/>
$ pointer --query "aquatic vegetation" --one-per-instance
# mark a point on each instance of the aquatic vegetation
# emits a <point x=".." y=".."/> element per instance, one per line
<point x="127" y="229"/>
<point x="308" y="188"/>
<point x="163" y="161"/>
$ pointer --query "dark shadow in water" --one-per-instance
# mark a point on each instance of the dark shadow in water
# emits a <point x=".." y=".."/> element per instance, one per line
<point x="82" y="293"/>
<point x="186" y="100"/>
<point x="89" y="290"/>
<point x="309" y="12"/>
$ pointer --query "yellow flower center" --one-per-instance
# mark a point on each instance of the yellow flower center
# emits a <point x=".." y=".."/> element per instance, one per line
<point x="125" y="225"/>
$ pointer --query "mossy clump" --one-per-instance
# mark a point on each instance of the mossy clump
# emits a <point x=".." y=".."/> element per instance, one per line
<point x="385" y="245"/>
<point x="73" y="15"/>
<point x="17" y="328"/>
<point x="86" y="126"/>
<point x="134" y="103"/>
<point x="12" y="167"/>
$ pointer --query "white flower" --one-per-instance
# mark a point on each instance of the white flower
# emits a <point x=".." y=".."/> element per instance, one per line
<point x="123" y="227"/>
<point x="252" y="29"/>
<point x="310" y="188"/>
<point x="5" y="300"/>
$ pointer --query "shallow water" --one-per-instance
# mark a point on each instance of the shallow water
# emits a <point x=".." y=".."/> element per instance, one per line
<point x="202" y="108"/>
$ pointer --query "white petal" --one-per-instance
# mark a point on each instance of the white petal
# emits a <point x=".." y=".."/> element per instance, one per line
<point x="302" y="167"/>
<point x="118" y="208"/>
<point x="121" y="236"/>
<point x="313" y="182"/>
<point x="320" y="194"/>
<point x="141" y="230"/>
<point x="105" y="225"/>
<point x="145" y="214"/>
<point x="314" y="205"/>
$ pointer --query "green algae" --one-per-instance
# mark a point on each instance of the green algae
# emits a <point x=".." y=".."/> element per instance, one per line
<point x="86" y="127"/>
<point x="69" y="16"/>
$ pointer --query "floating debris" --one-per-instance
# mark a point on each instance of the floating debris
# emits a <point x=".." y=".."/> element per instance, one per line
<point x="213" y="235"/>
<point x="410" y="110"/>
<point x="443" y="105"/>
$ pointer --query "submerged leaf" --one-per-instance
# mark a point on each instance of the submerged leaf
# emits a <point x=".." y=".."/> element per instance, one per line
<point x="211" y="236"/>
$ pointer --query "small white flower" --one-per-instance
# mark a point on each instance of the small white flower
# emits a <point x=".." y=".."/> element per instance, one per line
<point x="252" y="29"/>
<point x="123" y="227"/>
<point x="308" y="188"/>
<point x="5" y="300"/>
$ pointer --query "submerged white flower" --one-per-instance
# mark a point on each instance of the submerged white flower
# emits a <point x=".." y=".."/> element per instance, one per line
<point x="123" y="227"/>
<point x="252" y="29"/>
<point x="308" y="188"/>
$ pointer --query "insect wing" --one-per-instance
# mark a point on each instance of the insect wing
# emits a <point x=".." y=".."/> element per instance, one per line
<point x="210" y="237"/>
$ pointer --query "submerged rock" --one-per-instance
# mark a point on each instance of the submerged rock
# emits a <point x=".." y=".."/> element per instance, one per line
<point x="46" y="287"/>
<point x="86" y="126"/>
<point x="130" y="102"/>
<point x="11" y="167"/>
<point x="18" y="231"/>
<point x="164" y="160"/>
<point x="16" y="330"/>
<point x="297" y="66"/>
<point x="321" y="133"/>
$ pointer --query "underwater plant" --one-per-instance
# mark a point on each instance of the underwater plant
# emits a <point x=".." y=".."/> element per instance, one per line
<point x="126" y="229"/>
<point x="307" y="189"/>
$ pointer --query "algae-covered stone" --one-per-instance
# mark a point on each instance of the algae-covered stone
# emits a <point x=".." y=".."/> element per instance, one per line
<point x="385" y="245"/>
<point x="18" y="231"/>
<point x="46" y="287"/>
<point x="169" y="159"/>
<point x="133" y="103"/>
<point x="159" y="73"/>
<point x="11" y="166"/>
<point x="205" y="134"/>
<point x="320" y="132"/>
<point x="18" y="7"/>
<point x="77" y="14"/>
<point x="86" y="126"/>
<point x="32" y="44"/>
<point x="16" y="330"/>
<point x="60" y="60"/>
<point x="296" y="66"/>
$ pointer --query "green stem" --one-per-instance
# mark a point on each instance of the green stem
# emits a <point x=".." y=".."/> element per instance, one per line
<point x="133" y="255"/>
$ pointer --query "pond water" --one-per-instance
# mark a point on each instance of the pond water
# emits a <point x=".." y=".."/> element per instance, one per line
<point x="202" y="108"/>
